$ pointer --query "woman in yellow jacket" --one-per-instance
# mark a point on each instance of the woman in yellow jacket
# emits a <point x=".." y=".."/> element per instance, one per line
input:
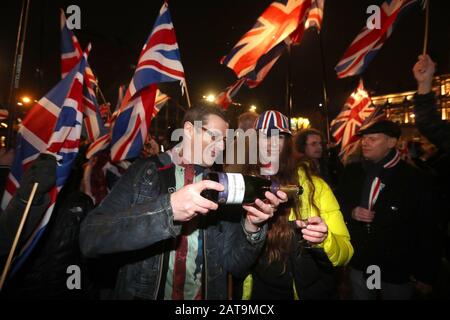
<point x="290" y="268"/>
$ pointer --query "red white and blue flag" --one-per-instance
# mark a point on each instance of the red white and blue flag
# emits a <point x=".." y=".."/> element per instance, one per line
<point x="160" y="101"/>
<point x="314" y="18"/>
<point x="104" y="142"/>
<point x="265" y="64"/>
<point x="276" y="23"/>
<point x="378" y="114"/>
<point x="315" y="15"/>
<point x="52" y="126"/>
<point x="159" y="62"/>
<point x="367" y="44"/>
<point x="273" y="119"/>
<point x="311" y="15"/>
<point x="71" y="54"/>
<point x="225" y="98"/>
<point x="357" y="109"/>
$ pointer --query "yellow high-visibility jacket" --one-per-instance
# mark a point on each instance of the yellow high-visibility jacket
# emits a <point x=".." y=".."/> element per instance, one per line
<point x="337" y="245"/>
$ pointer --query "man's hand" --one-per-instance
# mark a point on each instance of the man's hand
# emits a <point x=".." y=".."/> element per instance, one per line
<point x="363" y="215"/>
<point x="315" y="231"/>
<point x="423" y="72"/>
<point x="43" y="172"/>
<point x="187" y="202"/>
<point x="261" y="212"/>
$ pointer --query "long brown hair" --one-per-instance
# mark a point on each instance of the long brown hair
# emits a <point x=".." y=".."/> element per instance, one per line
<point x="310" y="169"/>
<point x="280" y="233"/>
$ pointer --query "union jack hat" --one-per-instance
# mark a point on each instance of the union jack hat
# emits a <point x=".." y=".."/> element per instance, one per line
<point x="273" y="120"/>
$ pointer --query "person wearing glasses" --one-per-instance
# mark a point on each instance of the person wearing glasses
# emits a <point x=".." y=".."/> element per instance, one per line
<point x="172" y="243"/>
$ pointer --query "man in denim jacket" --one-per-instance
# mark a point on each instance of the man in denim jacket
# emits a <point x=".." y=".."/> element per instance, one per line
<point x="170" y="241"/>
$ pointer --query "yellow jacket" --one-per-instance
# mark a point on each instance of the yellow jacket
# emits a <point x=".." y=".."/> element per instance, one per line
<point x="337" y="245"/>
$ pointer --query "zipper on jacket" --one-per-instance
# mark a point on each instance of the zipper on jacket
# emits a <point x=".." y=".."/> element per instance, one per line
<point x="161" y="265"/>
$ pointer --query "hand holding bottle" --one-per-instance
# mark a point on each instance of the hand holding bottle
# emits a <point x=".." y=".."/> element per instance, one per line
<point x="260" y="212"/>
<point x="187" y="202"/>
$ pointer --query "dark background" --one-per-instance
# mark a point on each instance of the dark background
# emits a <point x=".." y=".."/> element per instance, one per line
<point x="207" y="30"/>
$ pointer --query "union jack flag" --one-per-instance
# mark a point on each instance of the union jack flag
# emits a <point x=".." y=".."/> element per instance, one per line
<point x="378" y="114"/>
<point x="315" y="15"/>
<point x="276" y="23"/>
<point x="52" y="126"/>
<point x="93" y="122"/>
<point x="313" y="18"/>
<point x="357" y="108"/>
<point x="160" y="101"/>
<point x="367" y="44"/>
<point x="265" y="64"/>
<point x="267" y="61"/>
<point x="159" y="62"/>
<point x="273" y="119"/>
<point x="103" y="142"/>
<point x="225" y="98"/>
<point x="71" y="54"/>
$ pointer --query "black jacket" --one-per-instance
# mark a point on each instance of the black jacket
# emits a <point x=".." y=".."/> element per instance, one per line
<point x="403" y="239"/>
<point x="430" y="123"/>
<point x="10" y="220"/>
<point x="44" y="274"/>
<point x="309" y="269"/>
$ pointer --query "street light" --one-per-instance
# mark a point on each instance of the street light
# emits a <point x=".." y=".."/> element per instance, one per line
<point x="26" y="99"/>
<point x="210" y="98"/>
<point x="253" y="108"/>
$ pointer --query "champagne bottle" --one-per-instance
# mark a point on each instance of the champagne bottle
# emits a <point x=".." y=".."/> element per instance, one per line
<point x="244" y="189"/>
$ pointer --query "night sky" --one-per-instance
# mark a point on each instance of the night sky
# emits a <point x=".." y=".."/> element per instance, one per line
<point x="207" y="30"/>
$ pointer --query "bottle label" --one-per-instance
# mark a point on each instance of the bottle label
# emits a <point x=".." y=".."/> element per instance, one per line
<point x="234" y="188"/>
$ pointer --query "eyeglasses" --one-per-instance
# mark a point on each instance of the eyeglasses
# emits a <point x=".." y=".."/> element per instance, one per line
<point x="215" y="136"/>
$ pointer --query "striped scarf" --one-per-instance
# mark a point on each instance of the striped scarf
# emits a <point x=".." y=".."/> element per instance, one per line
<point x="376" y="178"/>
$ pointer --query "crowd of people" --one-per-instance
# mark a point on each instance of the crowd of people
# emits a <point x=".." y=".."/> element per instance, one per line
<point x="373" y="228"/>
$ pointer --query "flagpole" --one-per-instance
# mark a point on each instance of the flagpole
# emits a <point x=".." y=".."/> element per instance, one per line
<point x="187" y="94"/>
<point x="325" y="87"/>
<point x="99" y="91"/>
<point x="289" y="85"/>
<point x="17" y="69"/>
<point x="18" y="233"/>
<point x="427" y="26"/>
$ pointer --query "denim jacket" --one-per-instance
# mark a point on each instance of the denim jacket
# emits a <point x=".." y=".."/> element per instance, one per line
<point x="135" y="223"/>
